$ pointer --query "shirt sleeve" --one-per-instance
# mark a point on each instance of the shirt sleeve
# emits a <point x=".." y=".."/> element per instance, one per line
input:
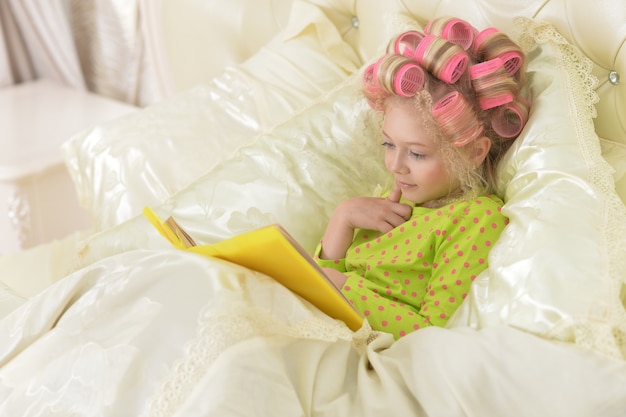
<point x="338" y="264"/>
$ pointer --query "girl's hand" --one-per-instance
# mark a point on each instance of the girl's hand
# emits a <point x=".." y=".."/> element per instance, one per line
<point x="381" y="214"/>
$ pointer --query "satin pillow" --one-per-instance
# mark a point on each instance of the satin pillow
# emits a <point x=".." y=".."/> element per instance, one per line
<point x="556" y="270"/>
<point x="144" y="158"/>
<point x="294" y="175"/>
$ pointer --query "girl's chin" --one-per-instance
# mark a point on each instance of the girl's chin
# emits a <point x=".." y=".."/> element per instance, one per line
<point x="424" y="202"/>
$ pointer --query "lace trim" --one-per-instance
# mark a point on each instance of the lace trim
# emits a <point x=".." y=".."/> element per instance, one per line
<point x="604" y="328"/>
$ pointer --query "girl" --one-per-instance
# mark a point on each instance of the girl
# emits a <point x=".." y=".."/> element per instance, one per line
<point x="452" y="103"/>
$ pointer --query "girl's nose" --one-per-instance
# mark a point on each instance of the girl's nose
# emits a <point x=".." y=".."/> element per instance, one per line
<point x="398" y="164"/>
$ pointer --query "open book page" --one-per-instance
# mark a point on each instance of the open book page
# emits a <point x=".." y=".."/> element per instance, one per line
<point x="169" y="229"/>
<point x="180" y="233"/>
<point x="272" y="251"/>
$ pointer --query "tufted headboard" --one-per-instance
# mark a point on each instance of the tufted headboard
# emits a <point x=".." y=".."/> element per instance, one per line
<point x="597" y="28"/>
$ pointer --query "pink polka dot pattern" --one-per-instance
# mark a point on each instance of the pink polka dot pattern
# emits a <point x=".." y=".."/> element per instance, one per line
<point x="418" y="274"/>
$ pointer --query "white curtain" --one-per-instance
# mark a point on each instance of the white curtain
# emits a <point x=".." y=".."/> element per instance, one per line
<point x="118" y="43"/>
<point x="110" y="47"/>
<point x="36" y="42"/>
<point x="152" y="32"/>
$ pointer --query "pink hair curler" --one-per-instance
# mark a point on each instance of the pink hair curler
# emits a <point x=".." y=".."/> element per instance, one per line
<point x="406" y="43"/>
<point x="455" y="68"/>
<point x="408" y="80"/>
<point x="488" y="94"/>
<point x="509" y="121"/>
<point x="485" y="68"/>
<point x="422" y="48"/>
<point x="457" y="119"/>
<point x="486" y="103"/>
<point x="481" y="37"/>
<point x="370" y="76"/>
<point x="512" y="61"/>
<point x="454" y="30"/>
<point x="451" y="70"/>
<point x="375" y="92"/>
<point x="369" y="79"/>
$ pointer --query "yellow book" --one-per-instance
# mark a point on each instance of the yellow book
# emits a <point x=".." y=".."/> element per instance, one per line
<point x="270" y="250"/>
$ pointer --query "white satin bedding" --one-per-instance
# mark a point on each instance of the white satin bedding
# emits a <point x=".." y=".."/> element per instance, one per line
<point x="166" y="333"/>
<point x="141" y="329"/>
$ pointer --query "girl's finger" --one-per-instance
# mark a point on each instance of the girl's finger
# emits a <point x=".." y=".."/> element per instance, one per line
<point x="395" y="194"/>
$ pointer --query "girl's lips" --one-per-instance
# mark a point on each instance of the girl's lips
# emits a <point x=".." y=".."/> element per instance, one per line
<point x="404" y="184"/>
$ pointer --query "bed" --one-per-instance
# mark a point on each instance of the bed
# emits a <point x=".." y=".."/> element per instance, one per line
<point x="114" y="321"/>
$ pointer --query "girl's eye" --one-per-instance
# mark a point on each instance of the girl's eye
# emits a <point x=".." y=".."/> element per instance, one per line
<point x="387" y="144"/>
<point x="417" y="155"/>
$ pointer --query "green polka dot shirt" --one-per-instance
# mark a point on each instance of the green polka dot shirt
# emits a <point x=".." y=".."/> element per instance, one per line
<point x="419" y="273"/>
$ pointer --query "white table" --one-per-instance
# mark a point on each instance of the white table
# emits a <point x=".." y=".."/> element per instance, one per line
<point x="37" y="198"/>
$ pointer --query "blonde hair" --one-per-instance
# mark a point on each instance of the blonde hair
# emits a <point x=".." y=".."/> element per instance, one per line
<point x="470" y="82"/>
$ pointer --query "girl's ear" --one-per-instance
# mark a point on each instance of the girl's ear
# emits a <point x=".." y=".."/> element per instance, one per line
<point x="479" y="149"/>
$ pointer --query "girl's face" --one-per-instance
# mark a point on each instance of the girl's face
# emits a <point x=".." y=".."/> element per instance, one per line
<point x="413" y="156"/>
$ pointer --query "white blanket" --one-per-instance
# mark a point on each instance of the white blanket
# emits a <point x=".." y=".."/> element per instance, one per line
<point x="167" y="333"/>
